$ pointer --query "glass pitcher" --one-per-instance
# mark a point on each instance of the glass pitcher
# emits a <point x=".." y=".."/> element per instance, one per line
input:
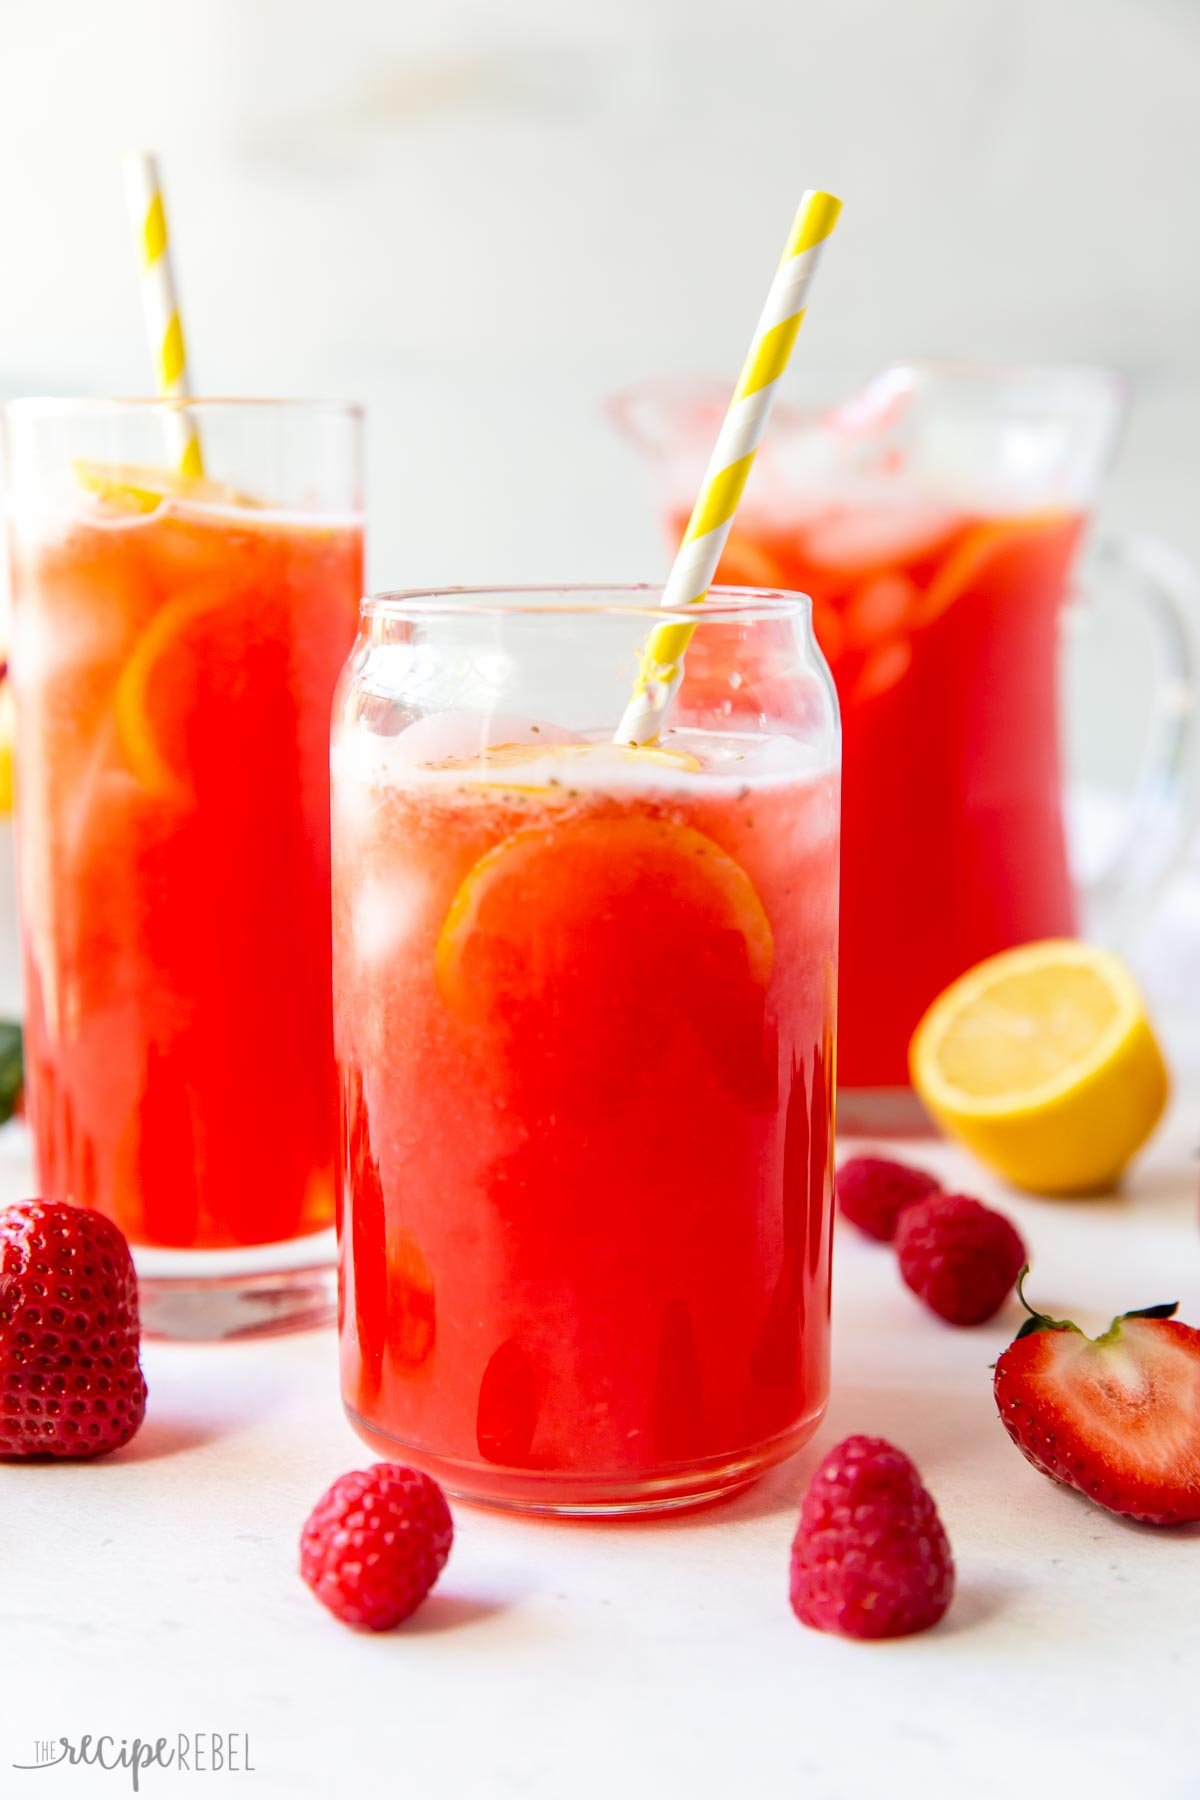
<point x="935" y="518"/>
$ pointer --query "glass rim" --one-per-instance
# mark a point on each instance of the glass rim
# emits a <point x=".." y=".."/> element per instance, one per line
<point x="64" y="406"/>
<point x="581" y="599"/>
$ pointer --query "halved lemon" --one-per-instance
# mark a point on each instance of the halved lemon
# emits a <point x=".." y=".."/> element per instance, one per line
<point x="138" y="487"/>
<point x="584" y="918"/>
<point x="1043" y="1062"/>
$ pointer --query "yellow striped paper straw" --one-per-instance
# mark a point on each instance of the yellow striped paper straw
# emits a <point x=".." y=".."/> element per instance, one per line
<point x="661" y="662"/>
<point x="164" y="325"/>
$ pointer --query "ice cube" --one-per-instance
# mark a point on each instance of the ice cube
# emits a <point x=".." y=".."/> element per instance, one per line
<point x="885" y="536"/>
<point x="748" y="757"/>
<point x="386" y="913"/>
<point x="879" y="609"/>
<point x="50" y="642"/>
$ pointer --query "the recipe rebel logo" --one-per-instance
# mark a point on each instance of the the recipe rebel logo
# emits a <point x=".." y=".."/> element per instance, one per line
<point x="192" y="1752"/>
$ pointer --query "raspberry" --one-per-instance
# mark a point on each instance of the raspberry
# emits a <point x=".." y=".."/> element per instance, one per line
<point x="870" y="1558"/>
<point x="872" y="1192"/>
<point x="959" y="1257"/>
<point x="375" y="1543"/>
<point x="70" y="1380"/>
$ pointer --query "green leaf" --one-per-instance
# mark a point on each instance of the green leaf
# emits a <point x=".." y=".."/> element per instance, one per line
<point x="12" y="1067"/>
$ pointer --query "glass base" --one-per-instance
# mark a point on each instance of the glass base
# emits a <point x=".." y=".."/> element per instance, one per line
<point x="558" y="1495"/>
<point x="247" y="1292"/>
<point x="882" y="1112"/>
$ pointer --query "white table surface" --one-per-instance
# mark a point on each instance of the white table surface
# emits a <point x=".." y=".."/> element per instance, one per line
<point x="156" y="1591"/>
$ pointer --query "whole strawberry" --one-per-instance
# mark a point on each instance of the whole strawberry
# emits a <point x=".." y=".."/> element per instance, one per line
<point x="958" y="1256"/>
<point x="70" y="1380"/>
<point x="375" y="1543"/>
<point x="873" y="1191"/>
<point x="1117" y="1416"/>
<point x="870" y="1558"/>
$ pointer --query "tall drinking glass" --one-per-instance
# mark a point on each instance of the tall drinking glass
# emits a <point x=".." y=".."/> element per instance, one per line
<point x="584" y="1005"/>
<point x="175" y="646"/>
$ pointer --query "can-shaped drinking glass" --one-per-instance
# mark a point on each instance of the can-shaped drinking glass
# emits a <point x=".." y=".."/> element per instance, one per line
<point x="584" y="998"/>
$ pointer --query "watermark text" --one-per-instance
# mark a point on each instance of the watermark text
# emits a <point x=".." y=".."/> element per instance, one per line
<point x="196" y="1752"/>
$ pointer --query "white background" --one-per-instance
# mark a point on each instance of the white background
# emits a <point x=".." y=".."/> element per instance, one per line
<point x="482" y="215"/>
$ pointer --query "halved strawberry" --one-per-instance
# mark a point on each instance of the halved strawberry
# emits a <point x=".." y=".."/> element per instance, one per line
<point x="1117" y="1416"/>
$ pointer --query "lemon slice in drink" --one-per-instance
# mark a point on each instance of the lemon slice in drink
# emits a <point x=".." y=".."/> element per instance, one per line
<point x="488" y="769"/>
<point x="155" y="690"/>
<point x="521" y="929"/>
<point x="139" y="488"/>
<point x="1010" y="550"/>
<point x="1043" y="1062"/>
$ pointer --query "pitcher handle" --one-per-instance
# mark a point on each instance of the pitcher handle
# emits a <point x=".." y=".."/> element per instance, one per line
<point x="1163" y="807"/>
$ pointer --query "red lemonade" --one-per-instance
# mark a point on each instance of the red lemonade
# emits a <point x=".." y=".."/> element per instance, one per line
<point x="940" y="624"/>
<point x="584" y="1009"/>
<point x="174" y="664"/>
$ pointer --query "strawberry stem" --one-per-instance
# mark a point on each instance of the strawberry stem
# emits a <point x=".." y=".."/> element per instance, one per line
<point x="1038" y="1321"/>
<point x="1167" y="1310"/>
<point x="1042" y="1322"/>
